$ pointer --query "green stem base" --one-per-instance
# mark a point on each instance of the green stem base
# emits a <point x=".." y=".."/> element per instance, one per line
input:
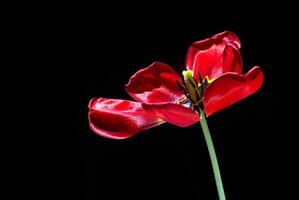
<point x="213" y="156"/>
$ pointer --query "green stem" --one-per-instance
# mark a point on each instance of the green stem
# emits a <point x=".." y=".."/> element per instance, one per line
<point x="213" y="156"/>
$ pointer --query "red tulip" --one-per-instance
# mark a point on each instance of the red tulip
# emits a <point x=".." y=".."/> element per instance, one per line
<point x="213" y="82"/>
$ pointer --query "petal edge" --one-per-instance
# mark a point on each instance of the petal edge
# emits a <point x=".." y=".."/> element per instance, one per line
<point x="173" y="113"/>
<point x="155" y="84"/>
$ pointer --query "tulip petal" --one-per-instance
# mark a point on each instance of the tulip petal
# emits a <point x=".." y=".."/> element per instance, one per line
<point x="232" y="60"/>
<point x="231" y="88"/>
<point x="155" y="84"/>
<point x="119" y="119"/>
<point x="211" y="57"/>
<point x="173" y="113"/>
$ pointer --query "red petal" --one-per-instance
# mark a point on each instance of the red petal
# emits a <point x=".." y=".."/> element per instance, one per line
<point x="207" y="56"/>
<point x="119" y="119"/>
<point x="173" y="113"/>
<point x="231" y="88"/>
<point x="155" y="84"/>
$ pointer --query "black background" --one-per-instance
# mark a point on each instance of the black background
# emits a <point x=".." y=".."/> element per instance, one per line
<point x="85" y="54"/>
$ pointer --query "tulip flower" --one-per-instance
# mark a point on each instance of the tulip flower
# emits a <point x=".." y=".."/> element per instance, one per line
<point x="212" y="81"/>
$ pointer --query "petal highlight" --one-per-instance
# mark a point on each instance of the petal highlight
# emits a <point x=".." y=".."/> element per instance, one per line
<point x="231" y="88"/>
<point x="232" y="60"/>
<point x="155" y="84"/>
<point x="119" y="119"/>
<point x="173" y="113"/>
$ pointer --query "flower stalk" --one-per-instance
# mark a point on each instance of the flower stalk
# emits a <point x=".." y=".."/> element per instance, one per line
<point x="213" y="156"/>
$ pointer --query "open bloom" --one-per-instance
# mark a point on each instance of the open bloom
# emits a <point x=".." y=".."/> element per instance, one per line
<point x="212" y="81"/>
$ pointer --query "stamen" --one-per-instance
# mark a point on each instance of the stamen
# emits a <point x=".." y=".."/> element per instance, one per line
<point x="200" y="89"/>
<point x="182" y="101"/>
<point x="199" y="77"/>
<point x="197" y="95"/>
<point x="205" y="83"/>
<point x="182" y="87"/>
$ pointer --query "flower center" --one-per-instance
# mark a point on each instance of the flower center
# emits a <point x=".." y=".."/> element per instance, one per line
<point x="193" y="91"/>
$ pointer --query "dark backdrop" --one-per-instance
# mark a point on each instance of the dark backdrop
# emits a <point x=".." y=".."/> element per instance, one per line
<point x="92" y="54"/>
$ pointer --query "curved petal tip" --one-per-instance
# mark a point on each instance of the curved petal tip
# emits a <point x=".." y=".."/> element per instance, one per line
<point x="231" y="88"/>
